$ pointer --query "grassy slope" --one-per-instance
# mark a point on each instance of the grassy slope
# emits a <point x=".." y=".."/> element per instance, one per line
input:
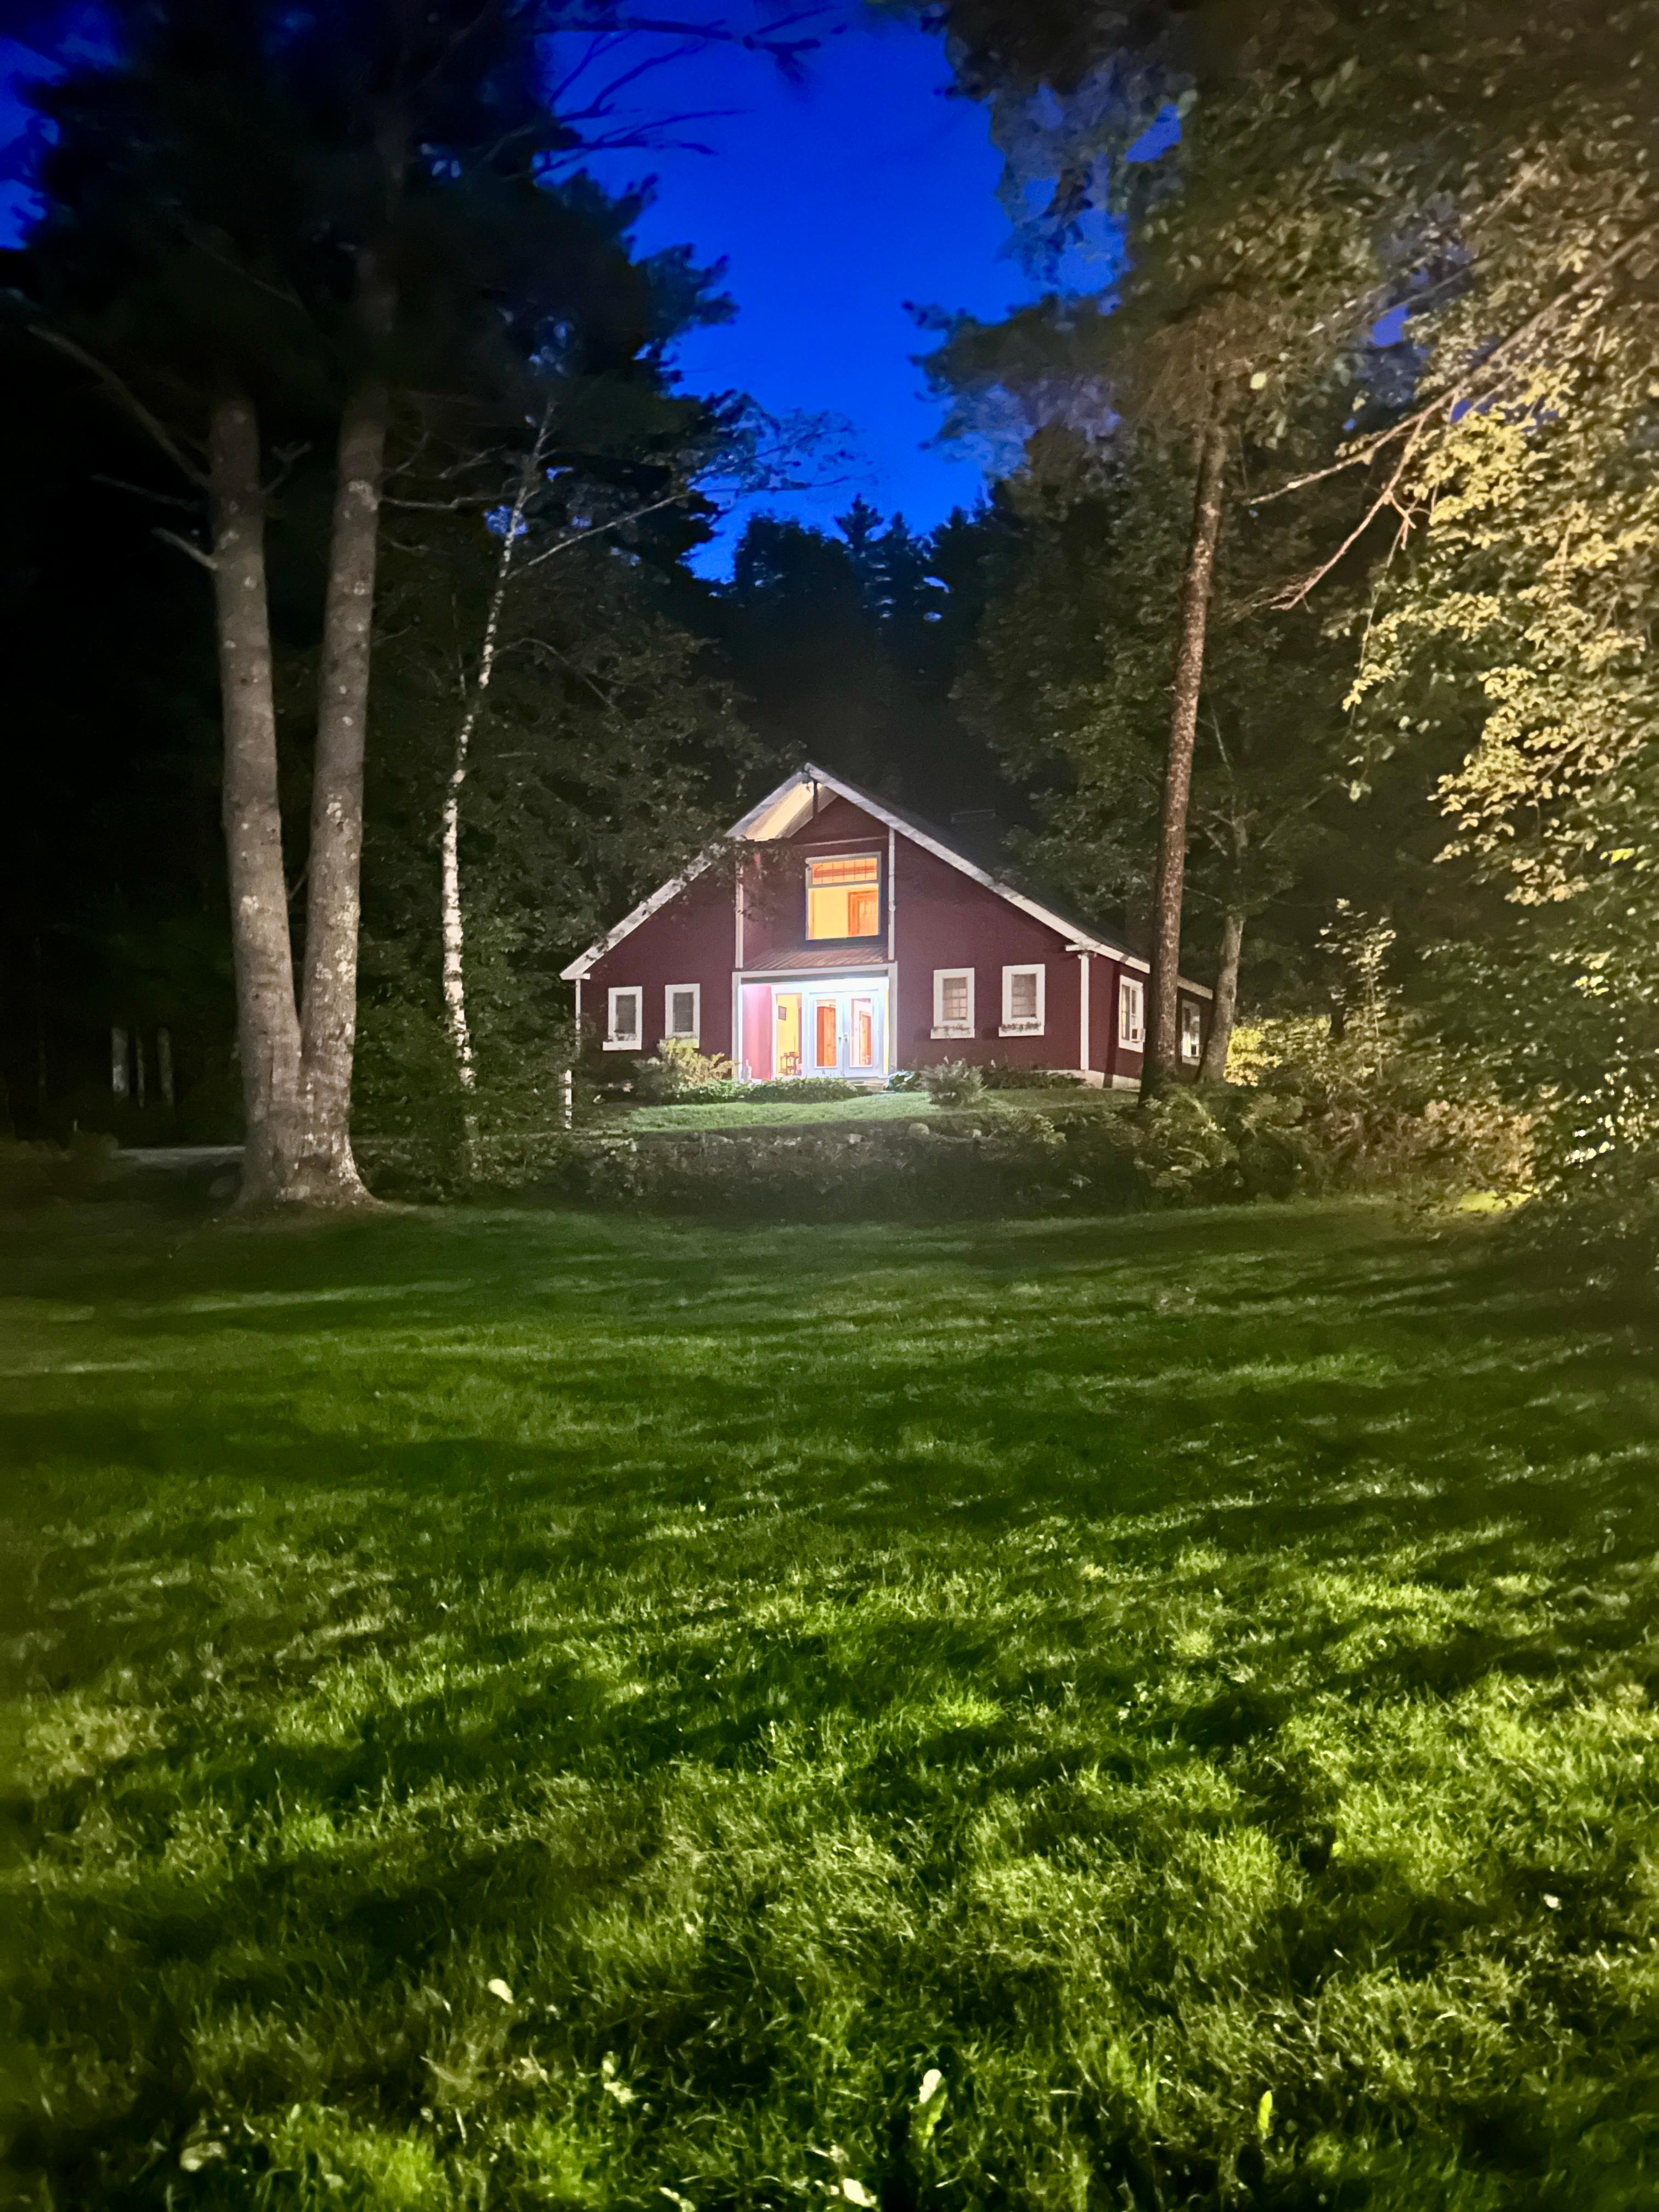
<point x="528" y="1709"/>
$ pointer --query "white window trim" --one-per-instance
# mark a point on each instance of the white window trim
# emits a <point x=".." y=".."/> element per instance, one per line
<point x="1131" y="992"/>
<point x="1010" y="1026"/>
<point x="612" y="1042"/>
<point x="694" y="1035"/>
<point x="941" y="1027"/>
<point x="1192" y="1032"/>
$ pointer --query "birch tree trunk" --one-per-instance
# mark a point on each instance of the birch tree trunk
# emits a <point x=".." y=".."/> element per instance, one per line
<point x="1163" y="1043"/>
<point x="453" y="920"/>
<point x="267" y="1023"/>
<point x="327" y="1174"/>
<point x="1225" y="1013"/>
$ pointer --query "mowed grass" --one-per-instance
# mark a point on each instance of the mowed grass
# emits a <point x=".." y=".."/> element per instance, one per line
<point x="873" y="1106"/>
<point x="524" y="1710"/>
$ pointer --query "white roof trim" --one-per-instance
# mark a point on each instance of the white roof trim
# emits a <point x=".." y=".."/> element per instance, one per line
<point x="585" y="963"/>
<point x="763" y="822"/>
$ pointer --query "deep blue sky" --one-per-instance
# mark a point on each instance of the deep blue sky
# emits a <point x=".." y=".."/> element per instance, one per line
<point x="834" y="202"/>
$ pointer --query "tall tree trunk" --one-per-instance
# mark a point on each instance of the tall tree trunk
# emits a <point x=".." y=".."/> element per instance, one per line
<point x="1225" y="1012"/>
<point x="327" y="1174"/>
<point x="267" y="1022"/>
<point x="1162" y="1043"/>
<point x="453" y="920"/>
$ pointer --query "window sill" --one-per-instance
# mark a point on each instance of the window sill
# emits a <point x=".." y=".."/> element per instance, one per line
<point x="622" y="1044"/>
<point x="1132" y="1044"/>
<point x="953" y="1029"/>
<point x="1021" y="1028"/>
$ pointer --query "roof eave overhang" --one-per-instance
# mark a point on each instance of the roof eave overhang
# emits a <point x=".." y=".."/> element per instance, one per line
<point x="774" y="817"/>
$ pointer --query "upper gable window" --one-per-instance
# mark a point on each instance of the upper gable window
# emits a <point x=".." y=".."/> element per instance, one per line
<point x="843" y="897"/>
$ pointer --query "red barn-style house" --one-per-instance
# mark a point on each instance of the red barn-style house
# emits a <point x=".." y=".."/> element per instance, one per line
<point x="854" y="939"/>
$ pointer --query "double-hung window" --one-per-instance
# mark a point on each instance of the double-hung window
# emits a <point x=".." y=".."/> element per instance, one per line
<point x="1191" y="1033"/>
<point x="682" y="1011"/>
<point x="1023" y="996"/>
<point x="623" y="1026"/>
<point x="1132" y="1012"/>
<point x="953" y="1002"/>
<point x="843" y="897"/>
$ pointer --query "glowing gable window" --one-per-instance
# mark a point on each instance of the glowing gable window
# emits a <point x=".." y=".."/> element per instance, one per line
<point x="843" y="897"/>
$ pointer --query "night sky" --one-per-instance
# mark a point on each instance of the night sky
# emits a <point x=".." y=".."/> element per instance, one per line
<point x="834" y="203"/>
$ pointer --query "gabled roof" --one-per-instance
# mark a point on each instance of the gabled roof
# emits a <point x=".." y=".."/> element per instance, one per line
<point x="793" y="804"/>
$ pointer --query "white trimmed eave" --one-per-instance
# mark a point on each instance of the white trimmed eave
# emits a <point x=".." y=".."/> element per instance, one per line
<point x="586" y="962"/>
<point x="793" y="804"/>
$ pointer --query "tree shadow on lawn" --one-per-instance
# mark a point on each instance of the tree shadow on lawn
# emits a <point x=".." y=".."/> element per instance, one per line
<point x="1043" y="1575"/>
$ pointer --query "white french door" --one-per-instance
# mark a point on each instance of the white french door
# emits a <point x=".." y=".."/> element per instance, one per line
<point x="844" y="1032"/>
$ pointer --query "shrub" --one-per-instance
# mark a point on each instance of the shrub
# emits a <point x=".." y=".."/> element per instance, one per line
<point x="1383" y="1108"/>
<point x="40" y="1174"/>
<point x="953" y="1082"/>
<point x="1597" y="1221"/>
<point x="1000" y="1075"/>
<point x="804" y="1089"/>
<point x="677" y="1070"/>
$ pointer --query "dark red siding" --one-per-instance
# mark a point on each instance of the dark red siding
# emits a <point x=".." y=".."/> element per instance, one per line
<point x="943" y="919"/>
<point x="690" y="939"/>
<point x="774" y="891"/>
<point x="939" y="917"/>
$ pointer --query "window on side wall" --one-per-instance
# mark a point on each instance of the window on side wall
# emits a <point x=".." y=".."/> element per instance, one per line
<point x="1192" y="1032"/>
<point x="622" y="1026"/>
<point x="953" y="1002"/>
<point x="843" y="897"/>
<point x="1132" y="1011"/>
<point x="1022" y="995"/>
<point x="682" y="1011"/>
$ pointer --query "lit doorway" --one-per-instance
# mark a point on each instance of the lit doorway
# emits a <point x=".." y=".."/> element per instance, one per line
<point x="837" y="1029"/>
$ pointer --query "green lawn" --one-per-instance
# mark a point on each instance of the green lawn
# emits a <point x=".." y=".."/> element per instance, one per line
<point x="874" y="1106"/>
<point x="777" y="1113"/>
<point x="527" y="1710"/>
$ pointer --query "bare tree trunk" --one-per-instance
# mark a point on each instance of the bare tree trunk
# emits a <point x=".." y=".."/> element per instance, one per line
<point x="328" y="1173"/>
<point x="1163" y="1043"/>
<point x="267" y="1023"/>
<point x="1225" y="1012"/>
<point x="453" y="920"/>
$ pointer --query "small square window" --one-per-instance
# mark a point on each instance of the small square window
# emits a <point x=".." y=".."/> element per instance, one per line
<point x="623" y="1028"/>
<point x="1132" y="1012"/>
<point x="1022" y="995"/>
<point x="953" y="1002"/>
<point x="1192" y="1032"/>
<point x="682" y="1013"/>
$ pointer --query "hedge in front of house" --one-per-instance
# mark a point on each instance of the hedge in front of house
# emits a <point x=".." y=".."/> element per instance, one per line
<point x="1196" y="1144"/>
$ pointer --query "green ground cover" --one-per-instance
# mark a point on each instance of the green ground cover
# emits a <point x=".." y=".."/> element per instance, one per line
<point x="777" y="1113"/>
<point x="874" y="1106"/>
<point x="530" y="1710"/>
